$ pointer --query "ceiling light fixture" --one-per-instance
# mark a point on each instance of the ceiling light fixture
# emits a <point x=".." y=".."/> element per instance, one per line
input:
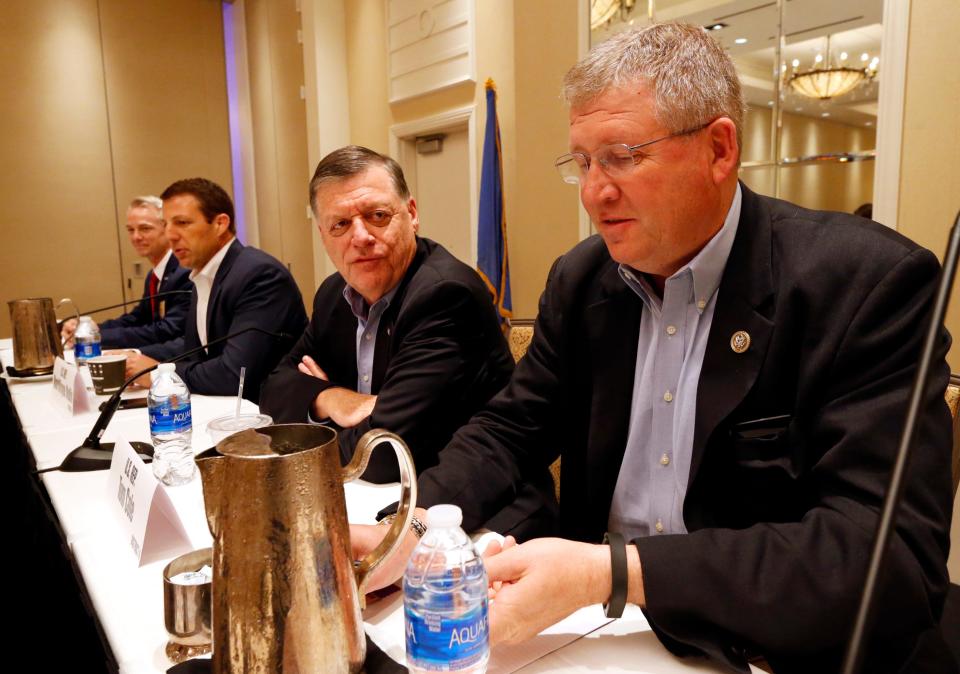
<point x="824" y="81"/>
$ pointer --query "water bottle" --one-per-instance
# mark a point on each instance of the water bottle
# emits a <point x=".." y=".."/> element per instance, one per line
<point x="445" y="599"/>
<point x="86" y="340"/>
<point x="171" y="426"/>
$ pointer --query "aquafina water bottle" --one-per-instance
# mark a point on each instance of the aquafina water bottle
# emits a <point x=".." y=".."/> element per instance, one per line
<point x="445" y="599"/>
<point x="171" y="426"/>
<point x="86" y="340"/>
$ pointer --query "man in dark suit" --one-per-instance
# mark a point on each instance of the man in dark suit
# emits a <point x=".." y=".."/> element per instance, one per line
<point x="404" y="336"/>
<point x="235" y="287"/>
<point x="725" y="376"/>
<point x="156" y="320"/>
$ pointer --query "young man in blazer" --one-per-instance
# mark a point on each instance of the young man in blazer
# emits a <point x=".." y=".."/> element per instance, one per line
<point x="154" y="319"/>
<point x="725" y="376"/>
<point x="235" y="287"/>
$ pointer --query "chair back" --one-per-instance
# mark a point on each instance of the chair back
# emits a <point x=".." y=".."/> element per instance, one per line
<point x="952" y="395"/>
<point x="519" y="338"/>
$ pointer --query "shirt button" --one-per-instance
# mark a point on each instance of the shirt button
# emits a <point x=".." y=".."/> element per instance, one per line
<point x="659" y="527"/>
<point x="368" y="337"/>
<point x="366" y="377"/>
<point x="668" y="396"/>
<point x="701" y="304"/>
<point x="664" y="460"/>
<point x="671" y="330"/>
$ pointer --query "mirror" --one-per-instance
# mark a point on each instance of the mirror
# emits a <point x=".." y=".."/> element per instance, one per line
<point x="810" y="71"/>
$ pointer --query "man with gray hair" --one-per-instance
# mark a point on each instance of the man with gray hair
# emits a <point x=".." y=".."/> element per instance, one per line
<point x="154" y="319"/>
<point x="725" y="376"/>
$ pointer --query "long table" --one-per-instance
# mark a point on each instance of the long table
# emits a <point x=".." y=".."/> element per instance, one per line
<point x="127" y="600"/>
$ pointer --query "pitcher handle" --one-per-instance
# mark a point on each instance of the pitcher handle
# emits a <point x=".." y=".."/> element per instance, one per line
<point x="408" y="498"/>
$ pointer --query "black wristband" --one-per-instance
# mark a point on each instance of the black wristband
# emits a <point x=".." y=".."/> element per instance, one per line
<point x="618" y="575"/>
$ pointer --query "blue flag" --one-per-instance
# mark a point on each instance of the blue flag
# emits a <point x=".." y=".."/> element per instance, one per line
<point x="492" y="262"/>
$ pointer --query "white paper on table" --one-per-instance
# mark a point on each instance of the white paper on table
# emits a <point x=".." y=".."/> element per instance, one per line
<point x="68" y="388"/>
<point x="143" y="508"/>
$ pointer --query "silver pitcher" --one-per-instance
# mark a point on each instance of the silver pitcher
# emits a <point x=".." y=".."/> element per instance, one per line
<point x="287" y="594"/>
<point x="36" y="339"/>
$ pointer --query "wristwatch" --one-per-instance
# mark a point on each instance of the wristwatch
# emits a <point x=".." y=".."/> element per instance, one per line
<point x="416" y="526"/>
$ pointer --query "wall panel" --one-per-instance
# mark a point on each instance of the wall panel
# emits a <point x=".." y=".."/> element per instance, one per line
<point x="59" y="223"/>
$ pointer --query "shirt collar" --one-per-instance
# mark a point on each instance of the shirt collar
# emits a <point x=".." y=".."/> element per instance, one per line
<point x="162" y="265"/>
<point x="359" y="306"/>
<point x="210" y="269"/>
<point x="706" y="267"/>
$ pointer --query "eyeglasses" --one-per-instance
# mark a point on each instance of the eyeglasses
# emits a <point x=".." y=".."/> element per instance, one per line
<point x="616" y="160"/>
<point x="378" y="217"/>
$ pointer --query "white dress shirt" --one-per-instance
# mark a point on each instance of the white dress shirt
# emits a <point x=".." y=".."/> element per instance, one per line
<point x="162" y="265"/>
<point x="203" y="280"/>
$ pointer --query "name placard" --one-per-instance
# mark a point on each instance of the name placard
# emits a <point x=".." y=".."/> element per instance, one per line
<point x="68" y="388"/>
<point x="148" y="521"/>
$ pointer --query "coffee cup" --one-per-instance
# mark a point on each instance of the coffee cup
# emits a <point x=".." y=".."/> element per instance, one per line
<point x="107" y="373"/>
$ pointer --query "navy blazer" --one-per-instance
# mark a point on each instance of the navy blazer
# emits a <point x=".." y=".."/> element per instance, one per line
<point x="251" y="288"/>
<point x="138" y="327"/>
<point x="793" y="444"/>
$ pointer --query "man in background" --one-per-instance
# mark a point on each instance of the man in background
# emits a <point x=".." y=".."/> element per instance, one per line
<point x="154" y="319"/>
<point x="403" y="337"/>
<point x="235" y="287"/>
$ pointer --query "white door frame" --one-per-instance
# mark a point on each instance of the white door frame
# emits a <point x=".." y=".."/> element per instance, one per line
<point x="402" y="140"/>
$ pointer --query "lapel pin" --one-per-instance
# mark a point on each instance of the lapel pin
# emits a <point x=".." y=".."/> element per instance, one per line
<point x="740" y="341"/>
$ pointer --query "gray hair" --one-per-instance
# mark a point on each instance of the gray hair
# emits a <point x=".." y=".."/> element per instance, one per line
<point x="352" y="160"/>
<point x="693" y="79"/>
<point x="148" y="201"/>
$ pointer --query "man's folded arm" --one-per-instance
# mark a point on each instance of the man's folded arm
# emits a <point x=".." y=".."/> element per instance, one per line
<point x="430" y="374"/>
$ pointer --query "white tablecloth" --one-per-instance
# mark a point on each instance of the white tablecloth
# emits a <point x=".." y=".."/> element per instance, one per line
<point x="129" y="602"/>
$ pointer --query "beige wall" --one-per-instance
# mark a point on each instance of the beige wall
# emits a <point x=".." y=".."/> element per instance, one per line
<point x="279" y="117"/>
<point x="59" y="225"/>
<point x="94" y="113"/>
<point x="929" y="178"/>
<point x="541" y="212"/>
<point x="546" y="212"/>
<point x="929" y="174"/>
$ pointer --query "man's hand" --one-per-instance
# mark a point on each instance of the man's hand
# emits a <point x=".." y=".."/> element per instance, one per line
<point x="539" y="583"/>
<point x="137" y="362"/>
<point x="344" y="407"/>
<point x="365" y="537"/>
<point x="309" y="366"/>
<point x="67" y="328"/>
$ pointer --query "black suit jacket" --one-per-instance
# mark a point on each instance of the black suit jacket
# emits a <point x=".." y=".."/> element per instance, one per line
<point x="138" y="327"/>
<point x="793" y="444"/>
<point x="251" y="288"/>
<point x="439" y="356"/>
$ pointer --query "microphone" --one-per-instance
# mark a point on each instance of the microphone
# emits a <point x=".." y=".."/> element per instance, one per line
<point x="94" y="455"/>
<point x="891" y="501"/>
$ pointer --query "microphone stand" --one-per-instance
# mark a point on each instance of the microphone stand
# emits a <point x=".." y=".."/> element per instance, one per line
<point x="138" y="300"/>
<point x="92" y="454"/>
<point x="854" y="656"/>
<point x="76" y="311"/>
